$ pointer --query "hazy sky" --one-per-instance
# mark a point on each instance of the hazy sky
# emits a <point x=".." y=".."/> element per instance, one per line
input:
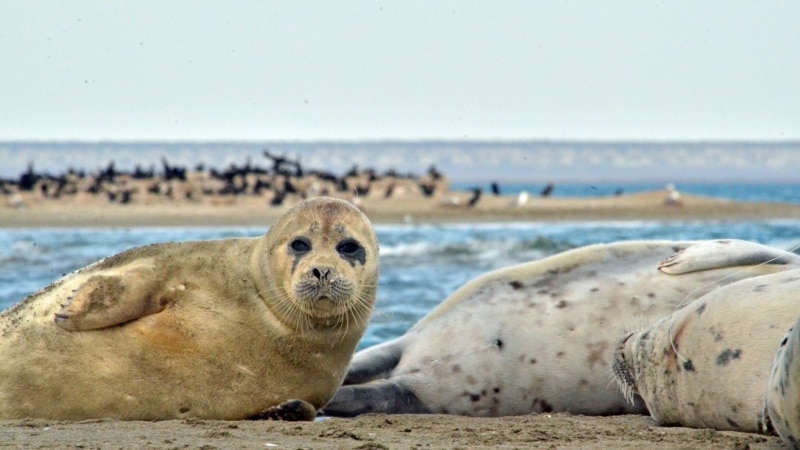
<point x="349" y="70"/>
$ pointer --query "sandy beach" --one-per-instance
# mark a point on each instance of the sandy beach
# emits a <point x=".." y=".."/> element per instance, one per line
<point x="380" y="431"/>
<point x="91" y="211"/>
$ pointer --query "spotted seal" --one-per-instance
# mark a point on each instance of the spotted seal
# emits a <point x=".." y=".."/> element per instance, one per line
<point x="218" y="329"/>
<point x="538" y="336"/>
<point x="707" y="364"/>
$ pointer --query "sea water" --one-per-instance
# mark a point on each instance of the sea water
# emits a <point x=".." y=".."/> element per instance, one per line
<point x="420" y="264"/>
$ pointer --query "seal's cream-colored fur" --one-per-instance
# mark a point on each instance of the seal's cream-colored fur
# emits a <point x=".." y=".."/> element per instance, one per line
<point x="782" y="405"/>
<point x="707" y="364"/>
<point x="539" y="336"/>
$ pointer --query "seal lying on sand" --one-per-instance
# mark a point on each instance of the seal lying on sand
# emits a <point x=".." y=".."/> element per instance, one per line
<point x="783" y="389"/>
<point x="707" y="364"/>
<point x="539" y="336"/>
<point x="224" y="329"/>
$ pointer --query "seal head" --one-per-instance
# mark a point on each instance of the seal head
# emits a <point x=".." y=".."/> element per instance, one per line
<point x="315" y="268"/>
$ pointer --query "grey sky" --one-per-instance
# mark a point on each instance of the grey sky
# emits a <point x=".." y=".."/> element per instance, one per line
<point x="310" y="70"/>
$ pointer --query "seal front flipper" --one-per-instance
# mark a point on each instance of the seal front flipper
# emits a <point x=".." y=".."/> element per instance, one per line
<point x="106" y="300"/>
<point x="707" y="255"/>
<point x="290" y="410"/>
<point x="382" y="396"/>
<point x="374" y="363"/>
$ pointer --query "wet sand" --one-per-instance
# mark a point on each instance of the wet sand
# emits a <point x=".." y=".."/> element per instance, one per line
<point x="381" y="431"/>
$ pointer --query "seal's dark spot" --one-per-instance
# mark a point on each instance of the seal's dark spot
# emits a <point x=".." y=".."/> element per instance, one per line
<point x="560" y="354"/>
<point x="595" y="289"/>
<point x="456" y="368"/>
<point x="499" y="344"/>
<point x="184" y="410"/>
<point x="533" y="361"/>
<point x="727" y="355"/>
<point x="516" y="285"/>
<point x="700" y="309"/>
<point x="732" y="423"/>
<point x="496" y="390"/>
<point x="562" y="304"/>
<point x="785" y="340"/>
<point x="474" y="397"/>
<point x="651" y="295"/>
<point x="688" y="366"/>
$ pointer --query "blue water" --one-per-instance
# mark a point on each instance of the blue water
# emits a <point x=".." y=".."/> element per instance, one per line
<point x="748" y="192"/>
<point x="420" y="264"/>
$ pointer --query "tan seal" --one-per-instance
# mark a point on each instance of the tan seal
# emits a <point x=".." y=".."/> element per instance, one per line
<point x="782" y="406"/>
<point x="538" y="337"/>
<point x="222" y="329"/>
<point x="707" y="365"/>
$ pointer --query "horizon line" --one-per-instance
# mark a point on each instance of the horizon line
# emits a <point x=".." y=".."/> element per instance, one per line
<point x="408" y="141"/>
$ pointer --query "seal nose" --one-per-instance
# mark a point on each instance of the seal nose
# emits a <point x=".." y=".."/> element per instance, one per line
<point x="321" y="274"/>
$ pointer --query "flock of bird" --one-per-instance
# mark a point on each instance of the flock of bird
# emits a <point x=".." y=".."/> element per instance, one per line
<point x="286" y="177"/>
<point x="282" y="178"/>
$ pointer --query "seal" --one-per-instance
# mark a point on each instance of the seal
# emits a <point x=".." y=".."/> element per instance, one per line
<point x="706" y="365"/>
<point x="538" y="337"/>
<point x="221" y="329"/>
<point x="782" y="405"/>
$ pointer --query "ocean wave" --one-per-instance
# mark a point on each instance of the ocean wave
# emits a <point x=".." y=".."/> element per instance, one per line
<point x="421" y="265"/>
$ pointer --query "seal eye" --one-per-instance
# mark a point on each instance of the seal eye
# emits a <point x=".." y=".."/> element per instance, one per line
<point x="348" y="248"/>
<point x="300" y="245"/>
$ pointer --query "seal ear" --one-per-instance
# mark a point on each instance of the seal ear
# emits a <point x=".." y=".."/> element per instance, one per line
<point x="104" y="301"/>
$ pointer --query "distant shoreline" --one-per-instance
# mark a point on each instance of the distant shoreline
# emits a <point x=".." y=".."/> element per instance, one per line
<point x="250" y="211"/>
<point x="524" y="161"/>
